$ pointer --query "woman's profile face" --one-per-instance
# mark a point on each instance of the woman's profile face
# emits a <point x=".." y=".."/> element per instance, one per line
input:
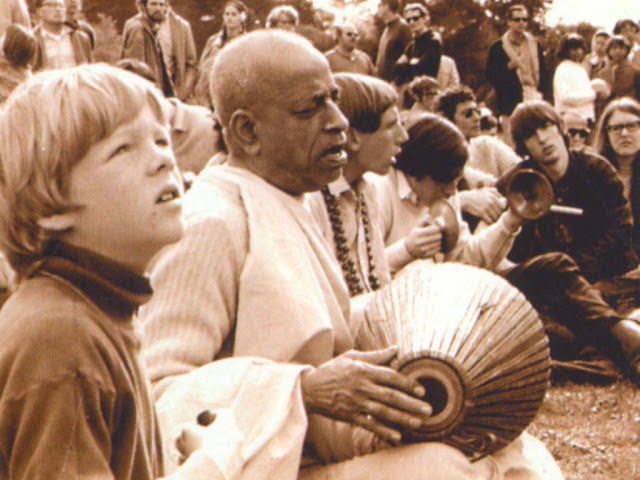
<point x="623" y="129"/>
<point x="232" y="17"/>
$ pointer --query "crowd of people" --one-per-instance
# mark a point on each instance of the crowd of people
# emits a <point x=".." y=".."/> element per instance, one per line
<point x="190" y="242"/>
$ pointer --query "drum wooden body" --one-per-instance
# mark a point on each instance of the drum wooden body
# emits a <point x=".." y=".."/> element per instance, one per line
<point x="473" y="341"/>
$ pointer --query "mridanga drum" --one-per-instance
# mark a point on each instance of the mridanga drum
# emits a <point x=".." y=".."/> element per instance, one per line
<point x="474" y="342"/>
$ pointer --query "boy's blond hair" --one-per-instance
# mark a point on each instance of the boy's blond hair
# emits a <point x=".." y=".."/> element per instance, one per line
<point x="46" y="127"/>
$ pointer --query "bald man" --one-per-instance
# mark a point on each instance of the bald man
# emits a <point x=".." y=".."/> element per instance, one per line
<point x="253" y="277"/>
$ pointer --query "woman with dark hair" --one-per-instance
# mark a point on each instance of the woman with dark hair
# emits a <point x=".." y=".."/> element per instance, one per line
<point x="620" y="74"/>
<point x="18" y="51"/>
<point x="572" y="89"/>
<point x="618" y="140"/>
<point x="234" y="23"/>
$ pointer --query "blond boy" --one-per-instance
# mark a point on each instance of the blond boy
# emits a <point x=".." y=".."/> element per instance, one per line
<point x="89" y="192"/>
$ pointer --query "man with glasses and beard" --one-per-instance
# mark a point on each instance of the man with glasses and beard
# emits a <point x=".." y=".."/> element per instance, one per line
<point x="140" y="41"/>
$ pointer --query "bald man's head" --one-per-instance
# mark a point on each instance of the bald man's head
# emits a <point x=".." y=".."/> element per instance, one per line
<point x="256" y="68"/>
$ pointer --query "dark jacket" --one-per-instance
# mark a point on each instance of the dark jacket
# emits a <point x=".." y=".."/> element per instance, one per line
<point x="600" y="241"/>
<point x="140" y="42"/>
<point x="421" y="57"/>
<point x="394" y="41"/>
<point x="80" y="42"/>
<point x="505" y="80"/>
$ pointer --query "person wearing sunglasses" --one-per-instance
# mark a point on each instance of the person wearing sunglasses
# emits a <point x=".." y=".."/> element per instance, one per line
<point x="577" y="130"/>
<point x="422" y="56"/>
<point x="345" y="57"/>
<point x="515" y="65"/>
<point x="489" y="157"/>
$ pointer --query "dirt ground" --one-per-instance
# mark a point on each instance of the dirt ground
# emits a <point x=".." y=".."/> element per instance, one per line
<point x="592" y="431"/>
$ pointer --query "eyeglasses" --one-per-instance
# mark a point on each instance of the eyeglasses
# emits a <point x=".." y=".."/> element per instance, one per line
<point x="352" y="34"/>
<point x="415" y="18"/>
<point x="582" y="132"/>
<point x="520" y="19"/>
<point x="631" y="127"/>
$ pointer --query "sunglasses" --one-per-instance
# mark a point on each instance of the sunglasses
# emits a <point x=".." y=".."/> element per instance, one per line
<point x="583" y="133"/>
<point x="520" y="19"/>
<point x="413" y="19"/>
<point x="631" y="127"/>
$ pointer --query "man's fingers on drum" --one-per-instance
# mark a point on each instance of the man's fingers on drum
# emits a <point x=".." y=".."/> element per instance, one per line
<point x="387" y="380"/>
<point x="369" y="422"/>
<point x="399" y="417"/>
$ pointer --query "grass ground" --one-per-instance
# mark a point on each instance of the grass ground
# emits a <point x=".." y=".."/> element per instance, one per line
<point x="592" y="431"/>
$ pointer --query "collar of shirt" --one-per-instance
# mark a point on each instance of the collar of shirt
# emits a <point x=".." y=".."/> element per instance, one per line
<point x="52" y="36"/>
<point x="351" y="56"/>
<point x="405" y="191"/>
<point x="340" y="186"/>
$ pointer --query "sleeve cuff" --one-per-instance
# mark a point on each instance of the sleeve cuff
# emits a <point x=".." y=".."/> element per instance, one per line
<point x="398" y="256"/>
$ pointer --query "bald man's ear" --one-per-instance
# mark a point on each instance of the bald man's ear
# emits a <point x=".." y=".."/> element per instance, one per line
<point x="242" y="128"/>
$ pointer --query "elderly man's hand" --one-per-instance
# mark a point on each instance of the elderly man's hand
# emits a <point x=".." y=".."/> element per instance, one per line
<point x="355" y="387"/>
<point x="485" y="203"/>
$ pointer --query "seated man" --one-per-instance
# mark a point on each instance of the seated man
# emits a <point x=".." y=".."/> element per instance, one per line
<point x="253" y="276"/>
<point x="551" y="282"/>
<point x="599" y="240"/>
<point x="487" y="154"/>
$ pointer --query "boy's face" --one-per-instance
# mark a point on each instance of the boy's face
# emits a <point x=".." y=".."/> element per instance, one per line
<point x="546" y="146"/>
<point x="378" y="149"/>
<point x="128" y="194"/>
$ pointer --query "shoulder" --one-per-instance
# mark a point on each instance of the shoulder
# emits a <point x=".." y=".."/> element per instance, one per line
<point x="53" y="332"/>
<point x="496" y="46"/>
<point x="178" y="20"/>
<point x="596" y="165"/>
<point x="332" y="53"/>
<point x="213" y="199"/>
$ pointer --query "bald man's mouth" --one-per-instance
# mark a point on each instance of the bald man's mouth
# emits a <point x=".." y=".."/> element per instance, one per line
<point x="336" y="155"/>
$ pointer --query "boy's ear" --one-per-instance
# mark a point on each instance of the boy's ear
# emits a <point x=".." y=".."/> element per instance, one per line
<point x="353" y="140"/>
<point x="242" y="127"/>
<point x="58" y="222"/>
